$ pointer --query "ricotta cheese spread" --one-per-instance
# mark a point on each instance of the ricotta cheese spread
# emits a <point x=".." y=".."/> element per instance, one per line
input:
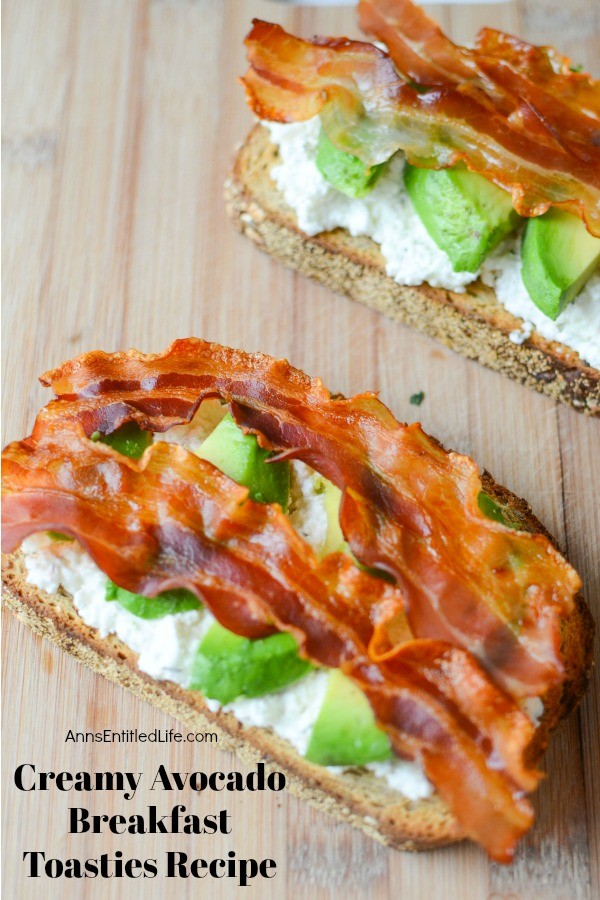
<point x="307" y="508"/>
<point x="387" y="216"/>
<point x="577" y="327"/>
<point x="167" y="646"/>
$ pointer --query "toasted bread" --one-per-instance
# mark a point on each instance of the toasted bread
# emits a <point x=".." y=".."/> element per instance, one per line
<point x="357" y="796"/>
<point x="474" y="323"/>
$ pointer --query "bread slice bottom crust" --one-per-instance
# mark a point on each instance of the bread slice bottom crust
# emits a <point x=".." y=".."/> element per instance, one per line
<point x="356" y="797"/>
<point x="474" y="324"/>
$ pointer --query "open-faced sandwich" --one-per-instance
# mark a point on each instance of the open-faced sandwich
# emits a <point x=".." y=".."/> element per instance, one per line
<point x="454" y="189"/>
<point x="330" y="589"/>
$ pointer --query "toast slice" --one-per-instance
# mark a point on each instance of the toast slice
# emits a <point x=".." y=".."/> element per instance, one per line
<point x="474" y="324"/>
<point x="357" y="796"/>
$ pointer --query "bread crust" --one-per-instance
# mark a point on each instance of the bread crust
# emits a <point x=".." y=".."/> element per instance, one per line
<point x="356" y="797"/>
<point x="474" y="324"/>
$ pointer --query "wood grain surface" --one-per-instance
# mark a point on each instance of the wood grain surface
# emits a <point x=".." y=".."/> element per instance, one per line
<point x="119" y="122"/>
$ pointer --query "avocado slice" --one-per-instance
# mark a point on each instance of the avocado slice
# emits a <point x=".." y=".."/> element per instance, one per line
<point x="129" y="439"/>
<point x="239" y="456"/>
<point x="335" y="542"/>
<point x="345" y="733"/>
<point x="558" y="256"/>
<point x="165" y="604"/>
<point x="347" y="173"/>
<point x="229" y="666"/>
<point x="332" y="496"/>
<point x="491" y="509"/>
<point x="465" y="214"/>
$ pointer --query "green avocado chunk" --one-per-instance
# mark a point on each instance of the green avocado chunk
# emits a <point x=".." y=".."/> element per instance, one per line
<point x="334" y="539"/>
<point x="558" y="256"/>
<point x="239" y="456"/>
<point x="58" y="536"/>
<point x="345" y="733"/>
<point x="165" y="604"/>
<point x="490" y="508"/>
<point x="465" y="214"/>
<point x="347" y="173"/>
<point x="493" y="510"/>
<point x="129" y="439"/>
<point x="229" y="666"/>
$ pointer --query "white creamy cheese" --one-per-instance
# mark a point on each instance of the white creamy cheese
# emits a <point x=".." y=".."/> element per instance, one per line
<point x="387" y="216"/>
<point x="167" y="646"/>
<point x="193" y="433"/>
<point x="577" y="327"/>
<point x="290" y="712"/>
<point x="533" y="708"/>
<point x="403" y="776"/>
<point x="307" y="508"/>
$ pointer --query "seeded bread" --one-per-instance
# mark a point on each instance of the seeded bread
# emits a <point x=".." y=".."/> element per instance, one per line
<point x="357" y="797"/>
<point x="474" y="323"/>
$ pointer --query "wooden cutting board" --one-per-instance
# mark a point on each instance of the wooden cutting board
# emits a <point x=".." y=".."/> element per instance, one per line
<point x="120" y="118"/>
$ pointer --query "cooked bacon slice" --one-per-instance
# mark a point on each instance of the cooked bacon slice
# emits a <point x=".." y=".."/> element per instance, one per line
<point x="532" y="86"/>
<point x="173" y="520"/>
<point x="291" y="80"/>
<point x="544" y="67"/>
<point x="417" y="45"/>
<point x="458" y="780"/>
<point x="457" y="105"/>
<point x="408" y="507"/>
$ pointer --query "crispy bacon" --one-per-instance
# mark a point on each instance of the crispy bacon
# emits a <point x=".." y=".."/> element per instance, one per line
<point x="408" y="507"/>
<point x="418" y="46"/>
<point x="545" y="68"/>
<point x="494" y="107"/>
<point x="173" y="520"/>
<point x="533" y="87"/>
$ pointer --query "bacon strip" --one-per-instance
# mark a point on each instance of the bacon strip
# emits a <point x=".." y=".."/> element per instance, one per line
<point x="457" y="105"/>
<point x="544" y="67"/>
<point x="408" y="507"/>
<point x="417" y="45"/>
<point x="532" y="86"/>
<point x="172" y="520"/>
